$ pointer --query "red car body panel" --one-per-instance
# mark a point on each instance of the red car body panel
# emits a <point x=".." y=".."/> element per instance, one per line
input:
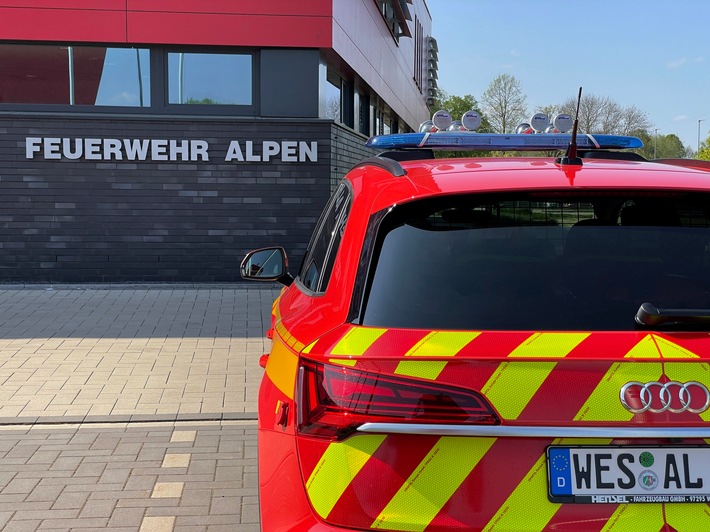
<point x="427" y="482"/>
<point x="486" y="175"/>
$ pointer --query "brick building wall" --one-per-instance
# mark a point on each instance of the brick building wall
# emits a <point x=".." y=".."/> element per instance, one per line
<point x="98" y="219"/>
<point x="347" y="148"/>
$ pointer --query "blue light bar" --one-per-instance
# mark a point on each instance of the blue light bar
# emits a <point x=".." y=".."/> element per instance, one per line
<point x="461" y="140"/>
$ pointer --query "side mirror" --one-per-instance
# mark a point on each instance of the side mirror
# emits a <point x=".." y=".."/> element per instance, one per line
<point x="268" y="264"/>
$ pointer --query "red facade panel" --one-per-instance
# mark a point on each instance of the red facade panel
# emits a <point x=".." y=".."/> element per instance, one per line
<point x="243" y="7"/>
<point x="100" y="5"/>
<point x="73" y="25"/>
<point x="229" y="30"/>
<point x="282" y="23"/>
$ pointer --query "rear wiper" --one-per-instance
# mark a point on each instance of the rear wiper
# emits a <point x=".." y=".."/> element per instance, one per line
<point x="650" y="316"/>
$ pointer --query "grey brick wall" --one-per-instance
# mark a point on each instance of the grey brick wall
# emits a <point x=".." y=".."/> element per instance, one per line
<point x="65" y="221"/>
<point x="346" y="150"/>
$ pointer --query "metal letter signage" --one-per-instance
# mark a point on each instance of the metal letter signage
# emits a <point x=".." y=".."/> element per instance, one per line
<point x="672" y="396"/>
<point x="96" y="149"/>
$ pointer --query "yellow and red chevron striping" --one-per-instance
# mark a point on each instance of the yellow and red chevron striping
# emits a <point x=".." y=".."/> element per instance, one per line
<point x="352" y="342"/>
<point x="389" y="468"/>
<point x="501" y="471"/>
<point x="434" y="483"/>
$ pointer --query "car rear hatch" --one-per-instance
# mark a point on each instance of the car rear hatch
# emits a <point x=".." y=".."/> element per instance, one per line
<point x="439" y="430"/>
<point x="507" y="368"/>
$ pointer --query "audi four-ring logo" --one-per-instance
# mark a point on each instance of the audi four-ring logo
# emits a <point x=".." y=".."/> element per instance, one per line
<point x="671" y="396"/>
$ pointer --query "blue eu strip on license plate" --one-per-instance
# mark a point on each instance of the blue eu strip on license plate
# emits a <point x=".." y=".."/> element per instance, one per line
<point x="595" y="475"/>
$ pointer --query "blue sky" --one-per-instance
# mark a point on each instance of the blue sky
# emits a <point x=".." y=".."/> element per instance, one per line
<point x="654" y="54"/>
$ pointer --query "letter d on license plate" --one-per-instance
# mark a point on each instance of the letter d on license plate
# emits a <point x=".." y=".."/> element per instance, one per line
<point x="628" y="474"/>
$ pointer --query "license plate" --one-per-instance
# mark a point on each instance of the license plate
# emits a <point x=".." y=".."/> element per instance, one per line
<point x="628" y="474"/>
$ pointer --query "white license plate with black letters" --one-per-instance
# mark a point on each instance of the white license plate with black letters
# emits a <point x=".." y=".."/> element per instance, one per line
<point x="628" y="474"/>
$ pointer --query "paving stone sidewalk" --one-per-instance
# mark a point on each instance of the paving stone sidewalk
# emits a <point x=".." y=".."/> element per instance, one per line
<point x="87" y="354"/>
<point x="147" y="477"/>
<point x="130" y="408"/>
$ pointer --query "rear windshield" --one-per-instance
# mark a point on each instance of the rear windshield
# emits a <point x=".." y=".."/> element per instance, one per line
<point x="538" y="262"/>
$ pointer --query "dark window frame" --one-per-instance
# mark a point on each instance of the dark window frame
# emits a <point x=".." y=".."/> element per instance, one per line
<point x="335" y="80"/>
<point x="553" y="245"/>
<point x="332" y="239"/>
<point x="208" y="109"/>
<point x="158" y="89"/>
<point x="86" y="108"/>
<point x="395" y="15"/>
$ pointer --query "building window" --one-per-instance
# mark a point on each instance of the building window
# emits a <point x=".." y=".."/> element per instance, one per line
<point x="125" y="79"/>
<point x="334" y="97"/>
<point x="419" y="54"/>
<point x="386" y="124"/>
<point x="362" y="107"/>
<point x="210" y="79"/>
<point x="74" y="75"/>
<point x="374" y="120"/>
<point x="396" y="14"/>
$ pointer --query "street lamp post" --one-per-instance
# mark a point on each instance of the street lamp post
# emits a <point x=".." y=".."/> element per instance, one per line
<point x="655" y="140"/>
<point x="699" y="120"/>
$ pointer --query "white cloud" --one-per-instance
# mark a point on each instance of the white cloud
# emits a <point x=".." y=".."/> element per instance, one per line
<point x="677" y="63"/>
<point x="680" y="118"/>
<point x="682" y="61"/>
<point x="125" y="98"/>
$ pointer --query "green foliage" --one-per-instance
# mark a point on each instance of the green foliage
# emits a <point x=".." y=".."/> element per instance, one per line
<point x="670" y="147"/>
<point x="704" y="151"/>
<point x="202" y="101"/>
<point x="457" y="106"/>
<point x="660" y="146"/>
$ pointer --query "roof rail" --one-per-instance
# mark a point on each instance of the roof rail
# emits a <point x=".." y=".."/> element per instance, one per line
<point x="390" y="165"/>
<point x="613" y="155"/>
<point x="698" y="164"/>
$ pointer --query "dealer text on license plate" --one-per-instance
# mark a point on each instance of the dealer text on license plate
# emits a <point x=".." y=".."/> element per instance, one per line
<point x="628" y="474"/>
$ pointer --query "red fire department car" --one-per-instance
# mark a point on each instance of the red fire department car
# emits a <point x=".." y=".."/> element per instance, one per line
<point x="500" y="344"/>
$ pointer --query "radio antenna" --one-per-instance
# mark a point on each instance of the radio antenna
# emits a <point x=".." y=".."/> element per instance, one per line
<point x="570" y="157"/>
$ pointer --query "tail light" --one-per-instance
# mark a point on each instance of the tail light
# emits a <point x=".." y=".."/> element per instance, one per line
<point x="335" y="400"/>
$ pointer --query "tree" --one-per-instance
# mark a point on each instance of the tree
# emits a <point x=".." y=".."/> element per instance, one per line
<point x="593" y="112"/>
<point x="601" y="114"/>
<point x="633" y="118"/>
<point x="458" y="105"/>
<point x="671" y="147"/>
<point x="504" y="103"/>
<point x="660" y="146"/>
<point x="704" y="151"/>
<point x="332" y="108"/>
<point x="201" y="101"/>
<point x="551" y="110"/>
